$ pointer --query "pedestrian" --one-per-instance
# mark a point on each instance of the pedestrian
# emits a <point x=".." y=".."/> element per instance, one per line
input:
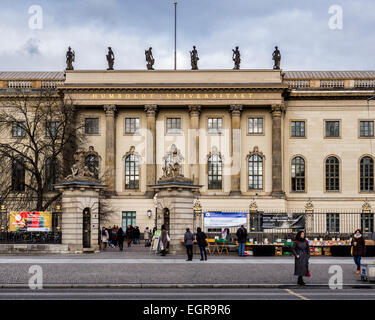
<point x="241" y="238"/>
<point x="129" y="235"/>
<point x="163" y="240"/>
<point x="120" y="238"/>
<point x="114" y="236"/>
<point x="202" y="243"/>
<point x="188" y="238"/>
<point x="137" y="234"/>
<point x="146" y="237"/>
<point x="359" y="248"/>
<point x="301" y="252"/>
<point x="104" y="237"/>
<point x="109" y="230"/>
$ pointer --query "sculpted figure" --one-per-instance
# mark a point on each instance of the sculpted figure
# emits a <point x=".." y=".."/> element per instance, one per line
<point x="149" y="59"/>
<point x="110" y="58"/>
<point x="236" y="57"/>
<point x="194" y="59"/>
<point x="276" y="56"/>
<point x="70" y="57"/>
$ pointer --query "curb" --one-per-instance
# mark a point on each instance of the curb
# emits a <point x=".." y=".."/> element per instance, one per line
<point x="184" y="286"/>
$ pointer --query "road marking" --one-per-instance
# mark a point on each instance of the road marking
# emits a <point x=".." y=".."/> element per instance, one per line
<point x="296" y="294"/>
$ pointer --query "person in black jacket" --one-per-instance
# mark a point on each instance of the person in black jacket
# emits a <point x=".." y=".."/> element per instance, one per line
<point x="202" y="243"/>
<point x="137" y="235"/>
<point x="120" y="238"/>
<point x="301" y="252"/>
<point x="241" y="237"/>
<point x="129" y="235"/>
<point x="359" y="248"/>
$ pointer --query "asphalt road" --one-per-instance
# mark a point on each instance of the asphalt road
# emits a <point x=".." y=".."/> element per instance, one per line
<point x="188" y="294"/>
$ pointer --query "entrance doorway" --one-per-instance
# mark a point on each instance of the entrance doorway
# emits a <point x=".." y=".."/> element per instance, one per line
<point x="86" y="237"/>
<point x="166" y="218"/>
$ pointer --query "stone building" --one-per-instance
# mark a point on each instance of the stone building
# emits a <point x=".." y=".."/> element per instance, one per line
<point x="279" y="139"/>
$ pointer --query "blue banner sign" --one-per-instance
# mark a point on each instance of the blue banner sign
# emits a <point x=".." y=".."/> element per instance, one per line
<point x="217" y="219"/>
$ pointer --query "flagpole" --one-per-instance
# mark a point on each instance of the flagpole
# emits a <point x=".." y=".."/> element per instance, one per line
<point x="175" y="35"/>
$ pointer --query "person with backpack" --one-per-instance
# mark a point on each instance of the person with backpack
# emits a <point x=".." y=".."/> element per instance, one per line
<point x="120" y="238"/>
<point x="241" y="238"/>
<point x="202" y="243"/>
<point x="301" y="252"/>
<point x="359" y="248"/>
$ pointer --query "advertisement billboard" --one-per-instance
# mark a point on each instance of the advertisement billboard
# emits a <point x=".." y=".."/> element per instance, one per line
<point x="30" y="221"/>
<point x="217" y="219"/>
<point x="283" y="221"/>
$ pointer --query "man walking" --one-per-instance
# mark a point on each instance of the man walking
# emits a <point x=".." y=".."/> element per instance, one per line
<point x="241" y="238"/>
<point x="189" y="244"/>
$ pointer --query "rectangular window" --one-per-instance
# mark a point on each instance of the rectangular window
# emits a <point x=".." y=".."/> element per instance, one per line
<point x="128" y="219"/>
<point x="174" y="125"/>
<point x="131" y="125"/>
<point x="367" y="222"/>
<point x="333" y="222"/>
<point x="255" y="125"/>
<point x="332" y="129"/>
<point x="52" y="129"/>
<point x="366" y="128"/>
<point x="18" y="129"/>
<point x="215" y="125"/>
<point x="298" y="128"/>
<point x="92" y="126"/>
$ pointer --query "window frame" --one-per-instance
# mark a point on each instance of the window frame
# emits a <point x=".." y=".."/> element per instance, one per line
<point x="304" y="176"/>
<point x="92" y="133"/>
<point x="166" y="126"/>
<point x="258" y="175"/>
<point x="48" y="170"/>
<point x="47" y="130"/>
<point x="291" y="131"/>
<point x="219" y="164"/>
<point x="21" y="185"/>
<point x="360" y="176"/>
<point x="325" y="131"/>
<point x="219" y="131"/>
<point x="137" y="184"/>
<point x="15" y="125"/>
<point x="136" y="125"/>
<point x="248" y="125"/>
<point x="325" y="173"/>
<point x="359" y="129"/>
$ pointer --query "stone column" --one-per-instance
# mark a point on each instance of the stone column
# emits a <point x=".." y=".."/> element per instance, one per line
<point x="194" y="111"/>
<point x="110" y="147"/>
<point x="151" y="110"/>
<point x="235" y="148"/>
<point x="277" y="168"/>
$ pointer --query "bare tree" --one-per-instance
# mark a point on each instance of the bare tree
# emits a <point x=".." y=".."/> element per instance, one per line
<point x="38" y="136"/>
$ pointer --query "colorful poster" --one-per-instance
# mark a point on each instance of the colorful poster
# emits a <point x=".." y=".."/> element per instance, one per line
<point x="224" y="219"/>
<point x="30" y="221"/>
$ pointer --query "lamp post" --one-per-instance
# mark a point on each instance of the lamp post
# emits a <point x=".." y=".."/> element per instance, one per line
<point x="197" y="210"/>
<point x="156" y="209"/>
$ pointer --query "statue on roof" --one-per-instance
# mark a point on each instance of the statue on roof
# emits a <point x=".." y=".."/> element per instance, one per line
<point x="194" y="59"/>
<point x="70" y="58"/>
<point x="149" y="59"/>
<point x="236" y="57"/>
<point x="110" y="58"/>
<point x="276" y="56"/>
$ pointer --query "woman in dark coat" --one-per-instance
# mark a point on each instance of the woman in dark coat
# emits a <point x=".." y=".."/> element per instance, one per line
<point x="120" y="238"/>
<point x="359" y="248"/>
<point x="202" y="243"/>
<point x="164" y="239"/>
<point x="301" y="252"/>
<point x="129" y="235"/>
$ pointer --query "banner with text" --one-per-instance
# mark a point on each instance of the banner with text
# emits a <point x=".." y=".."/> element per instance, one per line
<point x="217" y="219"/>
<point x="30" y="221"/>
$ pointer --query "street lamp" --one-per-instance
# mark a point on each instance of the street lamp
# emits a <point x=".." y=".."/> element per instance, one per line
<point x="156" y="210"/>
<point x="149" y="213"/>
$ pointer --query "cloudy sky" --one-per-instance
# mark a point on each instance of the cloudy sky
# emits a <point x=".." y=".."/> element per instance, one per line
<point x="299" y="27"/>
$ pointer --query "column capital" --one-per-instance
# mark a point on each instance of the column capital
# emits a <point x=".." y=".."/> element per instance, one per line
<point x="194" y="110"/>
<point x="235" y="109"/>
<point x="151" y="110"/>
<point x="277" y="109"/>
<point x="110" y="109"/>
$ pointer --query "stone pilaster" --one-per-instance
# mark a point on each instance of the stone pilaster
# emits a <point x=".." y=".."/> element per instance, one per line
<point x="194" y="111"/>
<point x="151" y="110"/>
<point x="110" y="147"/>
<point x="277" y="168"/>
<point x="235" y="149"/>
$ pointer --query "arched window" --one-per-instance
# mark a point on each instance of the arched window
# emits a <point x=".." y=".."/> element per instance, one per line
<point x="214" y="172"/>
<point x="366" y="174"/>
<point x="18" y="175"/>
<point x="52" y="172"/>
<point x="132" y="172"/>
<point x="92" y="163"/>
<point x="332" y="174"/>
<point x="255" y="172"/>
<point x="298" y="174"/>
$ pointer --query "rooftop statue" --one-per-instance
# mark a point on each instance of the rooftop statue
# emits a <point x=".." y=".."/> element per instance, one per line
<point x="70" y="58"/>
<point x="149" y="59"/>
<point x="276" y="56"/>
<point x="110" y="58"/>
<point x="236" y="57"/>
<point x="194" y="59"/>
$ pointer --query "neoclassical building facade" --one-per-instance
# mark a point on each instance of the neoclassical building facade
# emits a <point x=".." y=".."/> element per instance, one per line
<point x="277" y="138"/>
